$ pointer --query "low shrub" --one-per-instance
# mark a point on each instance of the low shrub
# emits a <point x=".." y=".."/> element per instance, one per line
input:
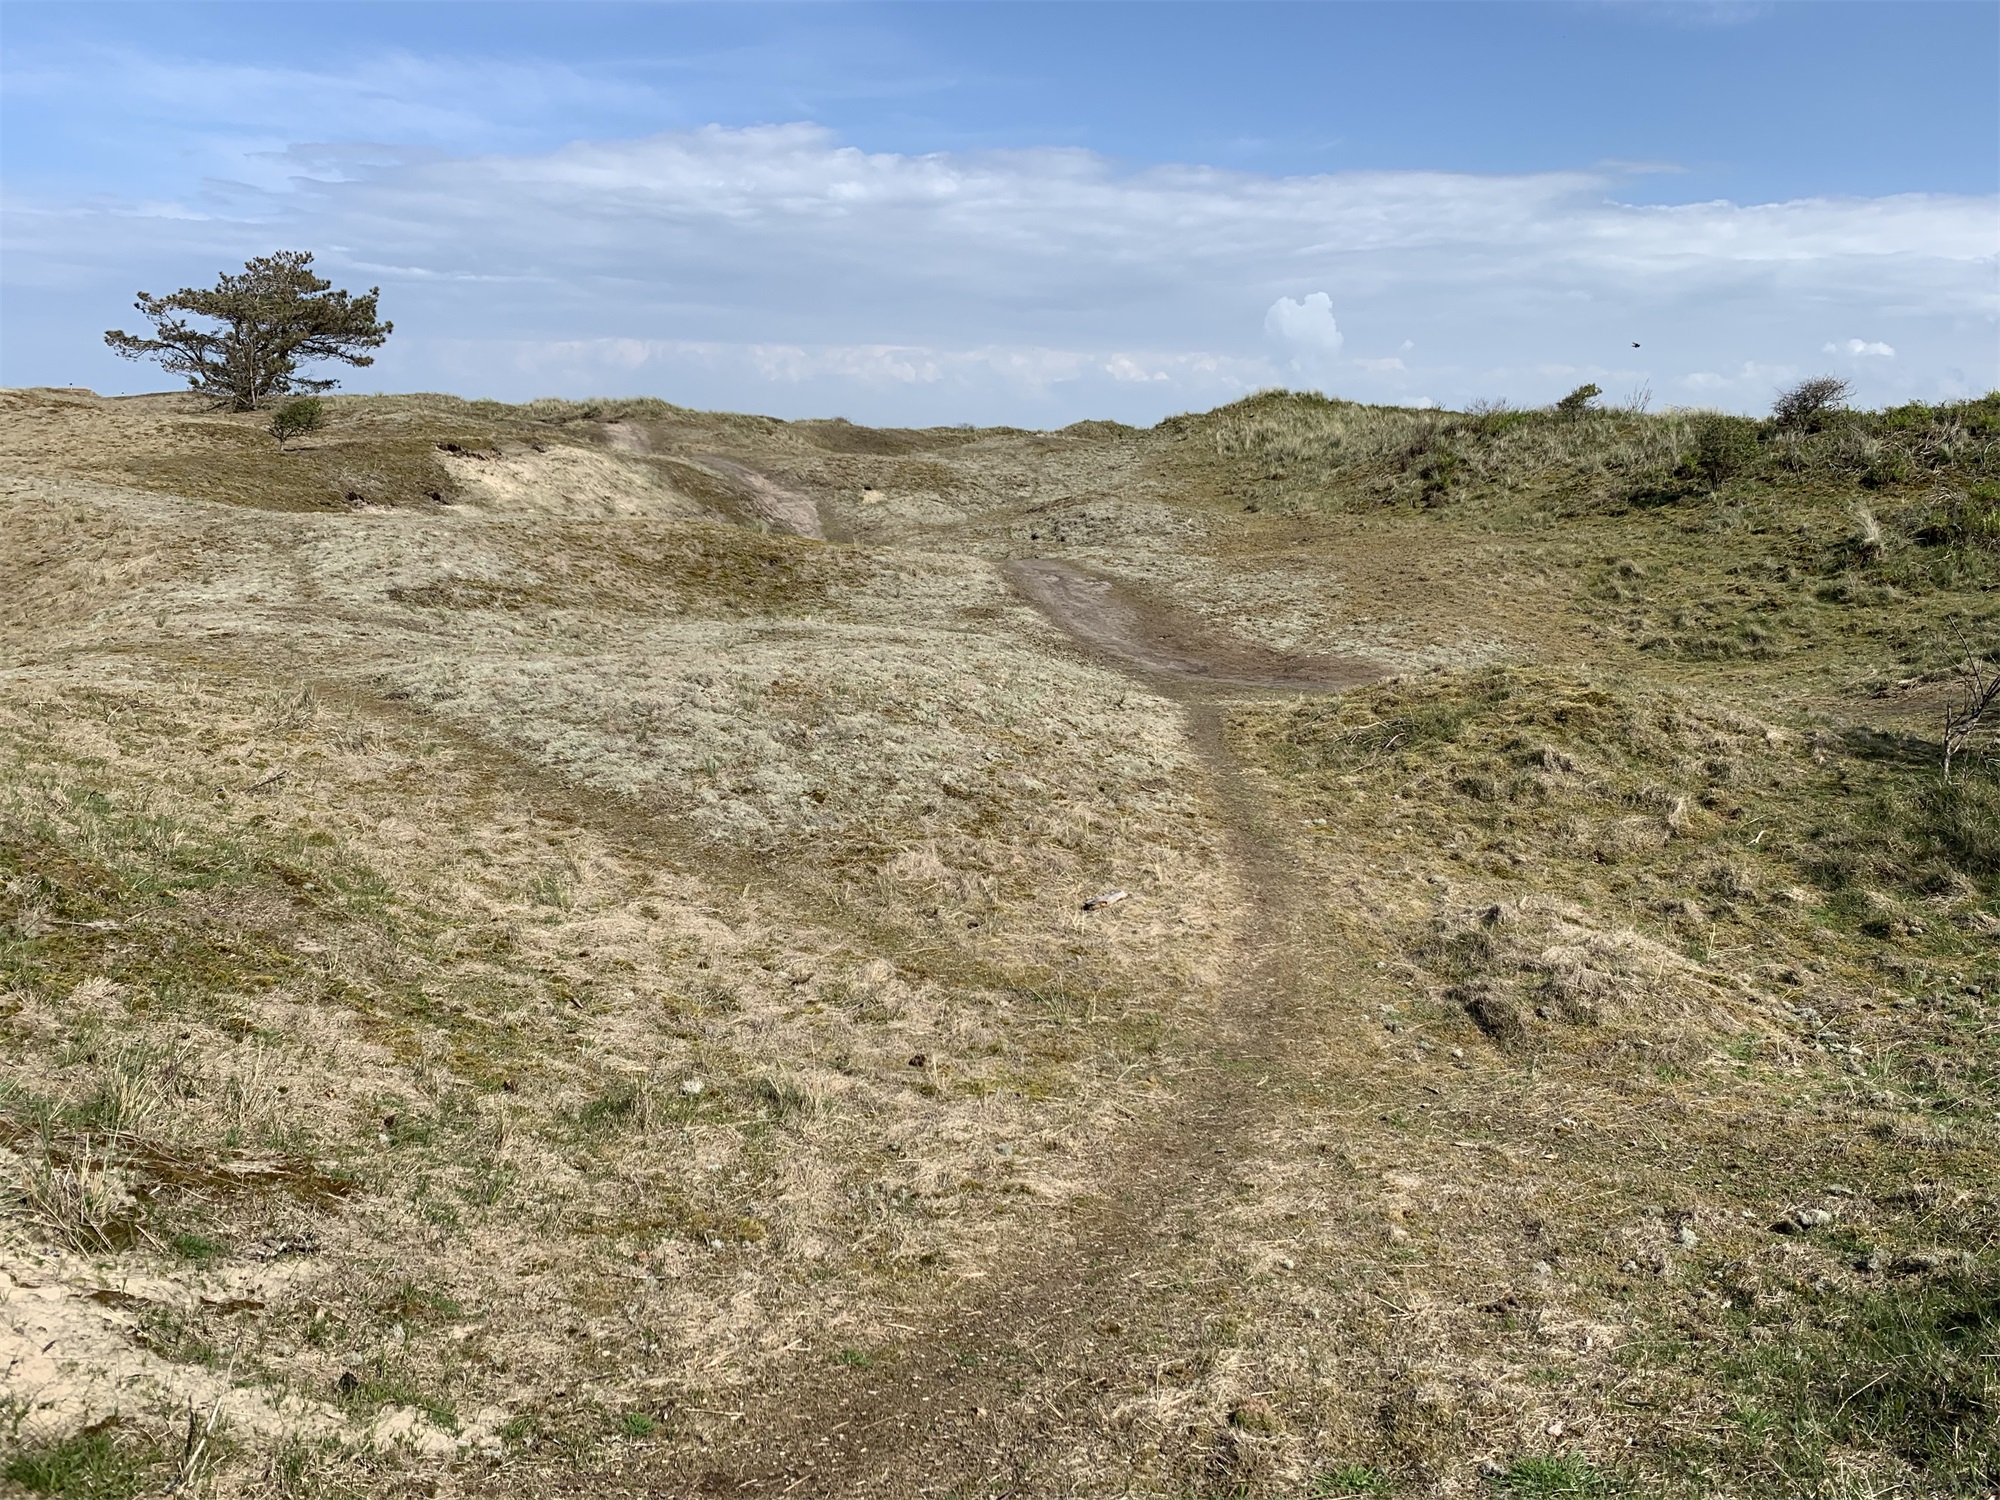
<point x="1810" y="405"/>
<point x="1979" y="417"/>
<point x="1720" y="448"/>
<point x="296" y="419"/>
<point x="1579" y="401"/>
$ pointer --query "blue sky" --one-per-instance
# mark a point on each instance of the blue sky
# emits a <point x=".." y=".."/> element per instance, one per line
<point x="1032" y="213"/>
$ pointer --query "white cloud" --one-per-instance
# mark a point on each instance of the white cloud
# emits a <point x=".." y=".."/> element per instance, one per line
<point x="1860" y="349"/>
<point x="777" y="268"/>
<point x="1307" y="326"/>
<point x="1308" y="331"/>
<point x="1124" y="367"/>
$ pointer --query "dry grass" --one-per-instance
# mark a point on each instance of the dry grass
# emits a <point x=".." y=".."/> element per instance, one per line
<point x="339" y="922"/>
<point x="527" y="973"/>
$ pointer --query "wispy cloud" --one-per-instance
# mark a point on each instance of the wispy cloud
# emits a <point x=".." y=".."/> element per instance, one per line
<point x="777" y="266"/>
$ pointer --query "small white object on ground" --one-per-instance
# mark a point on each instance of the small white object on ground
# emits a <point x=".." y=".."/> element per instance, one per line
<point x="1109" y="898"/>
<point x="691" y="1087"/>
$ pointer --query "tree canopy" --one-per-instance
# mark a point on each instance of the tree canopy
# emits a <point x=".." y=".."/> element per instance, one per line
<point x="274" y="315"/>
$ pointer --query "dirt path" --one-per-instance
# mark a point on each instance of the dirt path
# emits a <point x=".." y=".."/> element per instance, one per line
<point x="1161" y="644"/>
<point x="768" y="500"/>
<point x="998" y="1385"/>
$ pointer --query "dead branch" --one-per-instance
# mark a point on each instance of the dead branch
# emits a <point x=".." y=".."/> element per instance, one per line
<point x="1973" y="710"/>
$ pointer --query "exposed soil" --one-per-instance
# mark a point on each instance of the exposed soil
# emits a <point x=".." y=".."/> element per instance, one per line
<point x="1156" y="640"/>
<point x="769" y="501"/>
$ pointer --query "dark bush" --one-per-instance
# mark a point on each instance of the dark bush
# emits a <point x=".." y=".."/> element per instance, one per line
<point x="1912" y="416"/>
<point x="1579" y="401"/>
<point x="1891" y="466"/>
<point x="1980" y="417"/>
<point x="1955" y="518"/>
<point x="1438" y="472"/>
<point x="1808" y="405"/>
<point x="1723" y="448"/>
<point x="1492" y="421"/>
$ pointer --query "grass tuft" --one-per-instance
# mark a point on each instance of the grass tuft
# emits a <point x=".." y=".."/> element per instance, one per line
<point x="1563" y="1477"/>
<point x="1351" y="1479"/>
<point x="90" y="1465"/>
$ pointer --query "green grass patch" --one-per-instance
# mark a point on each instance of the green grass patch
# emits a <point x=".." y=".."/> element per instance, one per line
<point x="90" y="1465"/>
<point x="411" y="1303"/>
<point x="96" y="890"/>
<point x="183" y="1337"/>
<point x="363" y="1393"/>
<point x="1563" y="1477"/>
<point x="1909" y="827"/>
<point x="620" y="1104"/>
<point x="197" y="1249"/>
<point x="1912" y="1371"/>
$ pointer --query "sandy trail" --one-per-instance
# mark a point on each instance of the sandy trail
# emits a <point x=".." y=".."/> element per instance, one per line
<point x="783" y="509"/>
<point x="1158" y="642"/>
<point x="989" y="1389"/>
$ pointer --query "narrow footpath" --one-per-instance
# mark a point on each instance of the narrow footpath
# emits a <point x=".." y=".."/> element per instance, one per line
<point x="996" y="1382"/>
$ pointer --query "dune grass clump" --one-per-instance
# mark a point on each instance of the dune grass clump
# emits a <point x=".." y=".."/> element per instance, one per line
<point x="1397" y="453"/>
<point x="1333" y="452"/>
<point x="1912" y="828"/>
<point x="1956" y="519"/>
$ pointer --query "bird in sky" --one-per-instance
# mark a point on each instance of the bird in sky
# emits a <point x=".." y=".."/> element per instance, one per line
<point x="1635" y="345"/>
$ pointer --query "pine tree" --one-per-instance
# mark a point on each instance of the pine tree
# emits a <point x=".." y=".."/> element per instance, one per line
<point x="274" y="315"/>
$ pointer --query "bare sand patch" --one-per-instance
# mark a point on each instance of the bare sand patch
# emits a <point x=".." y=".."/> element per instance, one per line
<point x="564" y="481"/>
